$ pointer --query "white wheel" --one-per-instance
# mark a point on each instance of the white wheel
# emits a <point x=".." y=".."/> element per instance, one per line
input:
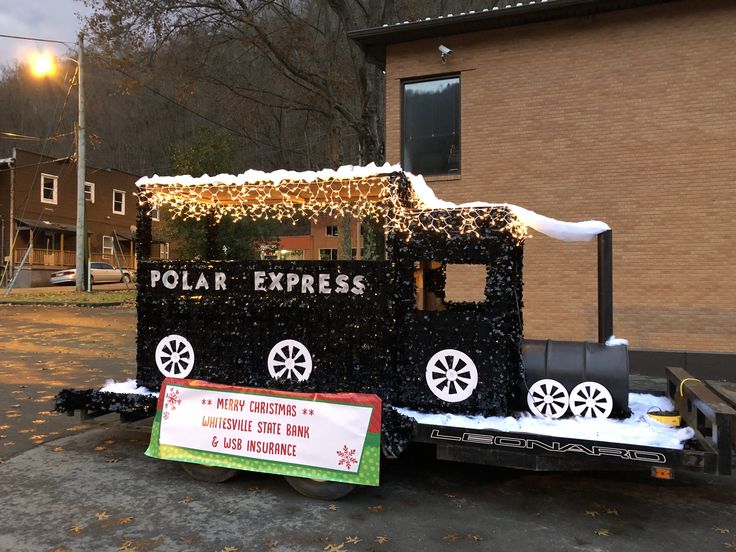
<point x="174" y="356"/>
<point x="548" y="398"/>
<point x="451" y="375"/>
<point x="591" y="400"/>
<point x="289" y="357"/>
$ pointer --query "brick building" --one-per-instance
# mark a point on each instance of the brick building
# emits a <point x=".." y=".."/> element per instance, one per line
<point x="622" y="111"/>
<point x="38" y="206"/>
<point x="322" y="242"/>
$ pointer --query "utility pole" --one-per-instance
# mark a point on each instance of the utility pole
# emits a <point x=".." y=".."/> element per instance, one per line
<point x="82" y="245"/>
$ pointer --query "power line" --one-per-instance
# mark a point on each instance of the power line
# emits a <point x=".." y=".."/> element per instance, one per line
<point x="34" y="39"/>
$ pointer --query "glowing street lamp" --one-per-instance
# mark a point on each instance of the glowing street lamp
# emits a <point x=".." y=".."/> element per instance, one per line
<point x="41" y="65"/>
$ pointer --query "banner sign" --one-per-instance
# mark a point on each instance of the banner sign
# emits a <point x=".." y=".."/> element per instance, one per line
<point x="329" y="436"/>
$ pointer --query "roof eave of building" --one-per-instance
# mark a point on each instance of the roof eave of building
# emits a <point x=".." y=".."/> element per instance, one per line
<point x="375" y="40"/>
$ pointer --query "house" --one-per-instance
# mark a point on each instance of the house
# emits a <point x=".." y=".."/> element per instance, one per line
<point x="38" y="198"/>
<point x="322" y="243"/>
<point x="617" y="110"/>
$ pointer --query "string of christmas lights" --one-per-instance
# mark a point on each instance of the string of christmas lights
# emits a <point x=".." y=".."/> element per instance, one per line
<point x="384" y="196"/>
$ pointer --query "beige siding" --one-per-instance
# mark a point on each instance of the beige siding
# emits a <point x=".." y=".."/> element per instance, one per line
<point x="628" y="117"/>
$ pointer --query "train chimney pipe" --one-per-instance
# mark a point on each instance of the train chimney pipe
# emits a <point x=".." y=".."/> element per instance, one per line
<point x="605" y="286"/>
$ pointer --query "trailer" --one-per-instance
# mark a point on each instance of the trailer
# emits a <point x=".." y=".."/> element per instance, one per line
<point x="337" y="330"/>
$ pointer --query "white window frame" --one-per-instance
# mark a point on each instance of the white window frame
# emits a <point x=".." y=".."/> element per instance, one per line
<point x="110" y="248"/>
<point x="155" y="214"/>
<point x="89" y="193"/>
<point x="122" y="211"/>
<point x="164" y="250"/>
<point x="55" y="191"/>
<point x="330" y="249"/>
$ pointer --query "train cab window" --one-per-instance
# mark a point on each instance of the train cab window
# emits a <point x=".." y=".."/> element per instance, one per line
<point x="465" y="283"/>
<point x="457" y="283"/>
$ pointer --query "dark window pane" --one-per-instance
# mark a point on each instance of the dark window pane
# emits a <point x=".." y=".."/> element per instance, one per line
<point x="431" y="127"/>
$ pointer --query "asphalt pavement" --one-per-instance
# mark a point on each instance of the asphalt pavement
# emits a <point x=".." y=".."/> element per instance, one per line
<point x="67" y="486"/>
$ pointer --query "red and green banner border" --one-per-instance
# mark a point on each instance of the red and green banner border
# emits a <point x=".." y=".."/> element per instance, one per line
<point x="368" y="472"/>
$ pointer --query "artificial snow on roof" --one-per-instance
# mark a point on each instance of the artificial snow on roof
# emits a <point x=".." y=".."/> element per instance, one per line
<point x="557" y="229"/>
<point x="254" y="177"/>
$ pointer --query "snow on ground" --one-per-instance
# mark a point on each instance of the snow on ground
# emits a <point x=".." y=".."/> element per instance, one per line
<point x="638" y="429"/>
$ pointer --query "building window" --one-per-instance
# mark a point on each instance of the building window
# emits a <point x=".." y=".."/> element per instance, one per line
<point x="331" y="254"/>
<point x="107" y="246"/>
<point x="430" y="126"/>
<point x="118" y="202"/>
<point x="328" y="254"/>
<point x="331" y="231"/>
<point x="155" y="214"/>
<point x="163" y="250"/>
<point x="49" y="189"/>
<point x="89" y="192"/>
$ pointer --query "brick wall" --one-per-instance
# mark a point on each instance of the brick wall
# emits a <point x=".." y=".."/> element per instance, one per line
<point x="627" y="117"/>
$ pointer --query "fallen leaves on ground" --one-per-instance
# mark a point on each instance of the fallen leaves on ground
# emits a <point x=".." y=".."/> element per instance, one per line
<point x="353" y="540"/>
<point x="128" y="546"/>
<point x="377" y="508"/>
<point x="721" y="530"/>
<point x="335" y="548"/>
<point x="186" y="500"/>
<point x="381" y="539"/>
<point x="452" y="537"/>
<point x="76" y="529"/>
<point x="592" y="513"/>
<point x="332" y="507"/>
<point x="602" y="532"/>
<point x="102" y="516"/>
<point x="125" y="520"/>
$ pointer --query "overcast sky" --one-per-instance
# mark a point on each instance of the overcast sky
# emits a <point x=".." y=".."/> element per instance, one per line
<point x="51" y="19"/>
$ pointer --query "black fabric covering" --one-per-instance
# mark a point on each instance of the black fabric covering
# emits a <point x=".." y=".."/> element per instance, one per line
<point x="350" y="337"/>
<point x="489" y="332"/>
<point x="371" y="342"/>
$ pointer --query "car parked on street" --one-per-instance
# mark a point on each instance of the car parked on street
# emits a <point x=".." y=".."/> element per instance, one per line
<point x="101" y="273"/>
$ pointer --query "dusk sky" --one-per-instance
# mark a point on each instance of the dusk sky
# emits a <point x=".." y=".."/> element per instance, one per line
<point x="50" y="19"/>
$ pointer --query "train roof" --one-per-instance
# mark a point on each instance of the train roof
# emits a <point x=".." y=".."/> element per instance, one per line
<point x="364" y="191"/>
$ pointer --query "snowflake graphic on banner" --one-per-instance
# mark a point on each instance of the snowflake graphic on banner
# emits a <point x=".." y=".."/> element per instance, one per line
<point x="347" y="457"/>
<point x="172" y="399"/>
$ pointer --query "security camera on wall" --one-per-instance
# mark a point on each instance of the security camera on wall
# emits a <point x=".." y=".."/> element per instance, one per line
<point x="444" y="52"/>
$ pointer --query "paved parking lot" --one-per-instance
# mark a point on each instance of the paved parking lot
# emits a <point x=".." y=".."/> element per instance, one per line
<point x="68" y="486"/>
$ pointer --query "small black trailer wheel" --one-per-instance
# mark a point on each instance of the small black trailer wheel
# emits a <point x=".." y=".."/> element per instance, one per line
<point x="318" y="488"/>
<point x="208" y="474"/>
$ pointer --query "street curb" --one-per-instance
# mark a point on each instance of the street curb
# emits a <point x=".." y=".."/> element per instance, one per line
<point x="42" y="303"/>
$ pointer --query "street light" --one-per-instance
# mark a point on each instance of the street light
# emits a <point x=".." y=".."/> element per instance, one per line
<point x="44" y="65"/>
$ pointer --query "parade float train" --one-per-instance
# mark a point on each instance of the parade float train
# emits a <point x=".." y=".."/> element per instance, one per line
<point x="387" y="328"/>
